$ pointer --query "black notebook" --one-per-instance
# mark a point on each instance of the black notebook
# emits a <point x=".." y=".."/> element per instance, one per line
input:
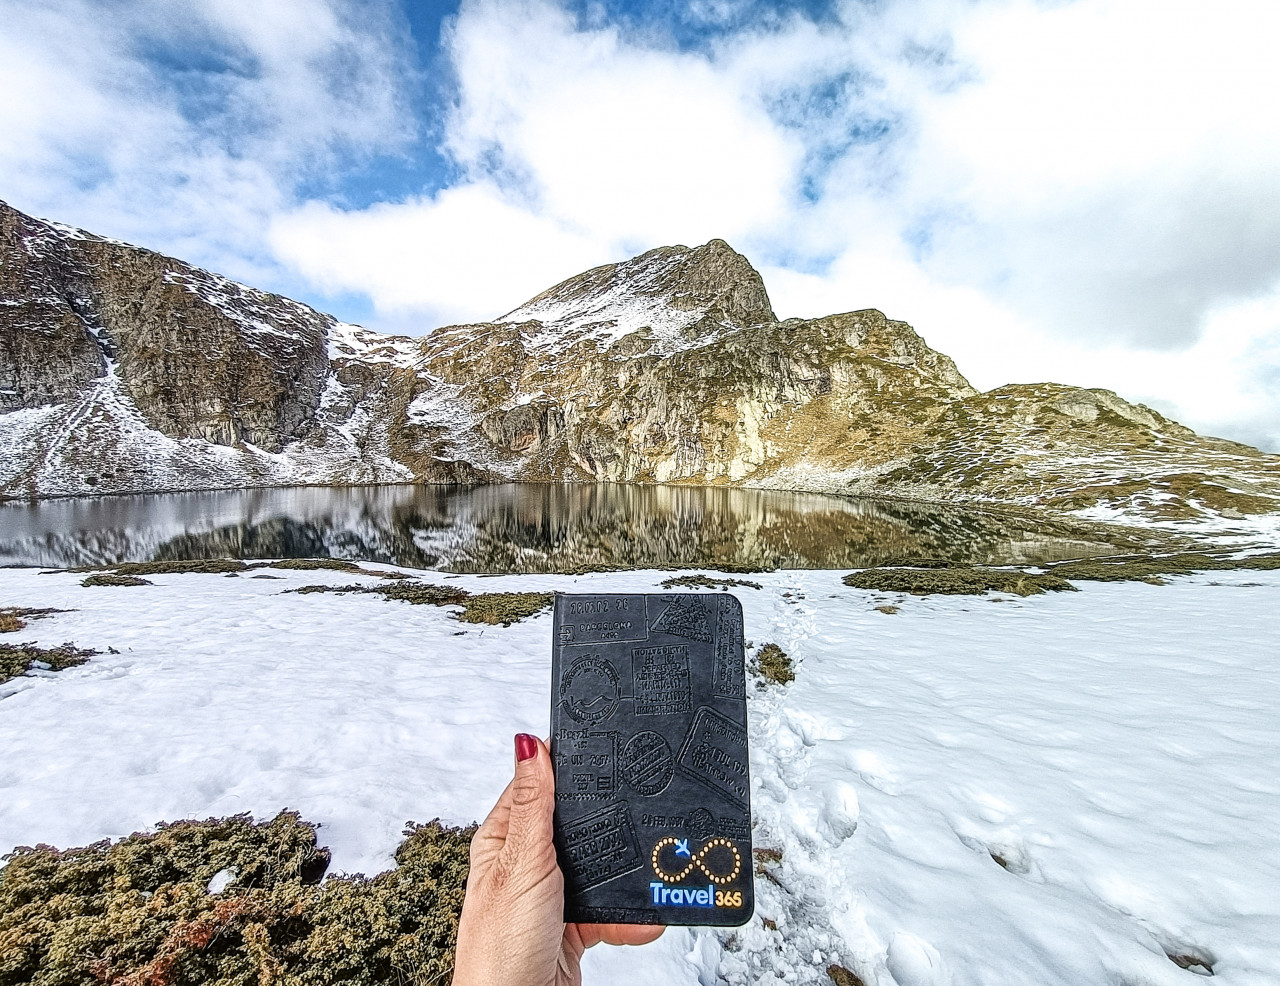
<point x="649" y="741"/>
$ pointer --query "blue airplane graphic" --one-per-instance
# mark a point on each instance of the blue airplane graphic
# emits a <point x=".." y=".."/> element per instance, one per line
<point x="682" y="847"/>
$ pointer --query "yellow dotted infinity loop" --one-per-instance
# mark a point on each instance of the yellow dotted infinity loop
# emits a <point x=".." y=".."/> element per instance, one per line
<point x="697" y="861"/>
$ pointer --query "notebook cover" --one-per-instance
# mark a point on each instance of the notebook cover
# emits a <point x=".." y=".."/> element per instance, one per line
<point x="649" y="742"/>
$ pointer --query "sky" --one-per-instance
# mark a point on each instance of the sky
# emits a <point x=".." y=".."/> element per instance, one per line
<point x="1081" y="191"/>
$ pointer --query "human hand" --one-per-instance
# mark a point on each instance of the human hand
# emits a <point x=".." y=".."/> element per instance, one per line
<point x="512" y="930"/>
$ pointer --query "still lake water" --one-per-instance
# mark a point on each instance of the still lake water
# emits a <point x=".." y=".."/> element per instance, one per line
<point x="520" y="528"/>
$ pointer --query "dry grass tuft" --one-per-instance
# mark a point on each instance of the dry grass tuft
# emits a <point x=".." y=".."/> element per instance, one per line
<point x="504" y="608"/>
<point x="844" y="977"/>
<point x="956" y="581"/>
<point x="773" y="664"/>
<point x="707" y="582"/>
<point x="14" y="618"/>
<point x="494" y="608"/>
<point x="106" y="578"/>
<point x="17" y="659"/>
<point x="201" y="566"/>
<point x="317" y="565"/>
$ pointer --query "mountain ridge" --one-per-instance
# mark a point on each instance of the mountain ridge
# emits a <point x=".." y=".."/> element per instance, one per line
<point x="122" y="370"/>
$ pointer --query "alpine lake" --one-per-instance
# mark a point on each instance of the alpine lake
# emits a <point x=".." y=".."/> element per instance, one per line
<point x="533" y="527"/>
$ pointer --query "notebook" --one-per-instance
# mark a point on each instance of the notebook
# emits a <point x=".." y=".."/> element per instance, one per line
<point x="649" y="742"/>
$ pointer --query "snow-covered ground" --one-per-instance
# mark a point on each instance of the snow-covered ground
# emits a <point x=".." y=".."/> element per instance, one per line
<point x="1117" y="747"/>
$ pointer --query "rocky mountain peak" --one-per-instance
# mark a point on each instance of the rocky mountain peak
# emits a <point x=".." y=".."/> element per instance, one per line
<point x="680" y="295"/>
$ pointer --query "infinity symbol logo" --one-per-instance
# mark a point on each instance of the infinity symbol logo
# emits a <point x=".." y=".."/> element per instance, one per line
<point x="696" y="860"/>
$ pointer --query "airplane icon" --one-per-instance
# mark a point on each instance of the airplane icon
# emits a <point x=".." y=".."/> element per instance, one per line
<point x="682" y="847"/>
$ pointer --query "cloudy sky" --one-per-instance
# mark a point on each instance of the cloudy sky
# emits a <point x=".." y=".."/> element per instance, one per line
<point x="1082" y="191"/>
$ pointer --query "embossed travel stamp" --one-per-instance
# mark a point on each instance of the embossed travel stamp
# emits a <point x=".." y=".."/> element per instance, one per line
<point x="589" y="690"/>
<point x="647" y="763"/>
<point x="715" y="754"/>
<point x="681" y="616"/>
<point x="603" y="619"/>
<point x="590" y="760"/>
<point x="728" y="674"/>
<point x="660" y="677"/>
<point x="600" y="847"/>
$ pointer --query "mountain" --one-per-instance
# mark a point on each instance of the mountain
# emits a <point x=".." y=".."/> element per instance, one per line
<point x="124" y="370"/>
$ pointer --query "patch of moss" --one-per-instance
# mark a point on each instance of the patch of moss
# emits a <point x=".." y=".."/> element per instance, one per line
<point x="956" y="581"/>
<point x="107" y="578"/>
<point x="706" y="582"/>
<point x="1257" y="563"/>
<point x="307" y="590"/>
<point x="318" y="564"/>
<point x="1149" y="569"/>
<point x="494" y="608"/>
<point x="423" y="593"/>
<point x="205" y="566"/>
<point x="773" y="664"/>
<point x="139" y="911"/>
<point x="17" y="659"/>
<point x="504" y="608"/>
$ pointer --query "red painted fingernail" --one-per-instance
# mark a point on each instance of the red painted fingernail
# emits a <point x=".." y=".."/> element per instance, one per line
<point x="526" y="747"/>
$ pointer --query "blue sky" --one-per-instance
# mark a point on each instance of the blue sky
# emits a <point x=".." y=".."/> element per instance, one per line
<point x="1078" y="190"/>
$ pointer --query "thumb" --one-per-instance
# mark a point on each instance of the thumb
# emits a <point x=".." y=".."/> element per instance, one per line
<point x="533" y="801"/>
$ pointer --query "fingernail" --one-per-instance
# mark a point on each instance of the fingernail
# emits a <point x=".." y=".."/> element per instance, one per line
<point x="526" y="747"/>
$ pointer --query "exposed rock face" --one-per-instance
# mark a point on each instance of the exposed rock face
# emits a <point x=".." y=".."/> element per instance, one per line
<point x="125" y="370"/>
<point x="200" y="356"/>
<point x="48" y="351"/>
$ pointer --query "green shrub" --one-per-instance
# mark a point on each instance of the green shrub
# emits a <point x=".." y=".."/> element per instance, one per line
<point x="139" y="912"/>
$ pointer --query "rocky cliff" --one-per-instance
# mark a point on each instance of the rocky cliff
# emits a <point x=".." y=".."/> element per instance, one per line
<point x="121" y="369"/>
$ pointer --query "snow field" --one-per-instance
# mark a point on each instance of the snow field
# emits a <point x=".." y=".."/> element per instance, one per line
<point x="1116" y="747"/>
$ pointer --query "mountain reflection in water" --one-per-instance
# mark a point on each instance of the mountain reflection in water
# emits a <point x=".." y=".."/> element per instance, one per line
<point x="523" y="528"/>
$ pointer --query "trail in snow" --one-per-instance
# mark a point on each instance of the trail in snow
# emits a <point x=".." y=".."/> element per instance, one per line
<point x="1113" y="748"/>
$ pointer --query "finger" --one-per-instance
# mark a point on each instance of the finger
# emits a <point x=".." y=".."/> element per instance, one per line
<point x="492" y="833"/>
<point x="619" y="934"/>
<point x="495" y="823"/>
<point x="532" y="803"/>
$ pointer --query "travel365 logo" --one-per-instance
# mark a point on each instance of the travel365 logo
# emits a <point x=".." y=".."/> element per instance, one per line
<point x="717" y="860"/>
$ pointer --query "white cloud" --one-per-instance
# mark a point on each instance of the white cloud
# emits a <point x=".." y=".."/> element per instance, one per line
<point x="185" y="126"/>
<point x="1112" y="163"/>
<point x="636" y="145"/>
<point x="1080" y="191"/>
<point x="466" y="255"/>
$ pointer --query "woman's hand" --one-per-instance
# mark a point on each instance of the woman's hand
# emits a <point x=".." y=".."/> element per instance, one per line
<point x="512" y="930"/>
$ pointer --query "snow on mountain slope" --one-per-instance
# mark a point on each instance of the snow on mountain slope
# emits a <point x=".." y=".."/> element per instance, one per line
<point x="1056" y="790"/>
<point x="679" y="297"/>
